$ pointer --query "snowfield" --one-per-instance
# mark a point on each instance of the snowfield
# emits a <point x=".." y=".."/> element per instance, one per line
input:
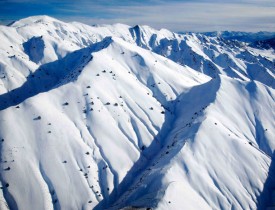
<point x="120" y="117"/>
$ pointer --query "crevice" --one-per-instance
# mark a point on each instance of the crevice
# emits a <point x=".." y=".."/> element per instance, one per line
<point x="52" y="192"/>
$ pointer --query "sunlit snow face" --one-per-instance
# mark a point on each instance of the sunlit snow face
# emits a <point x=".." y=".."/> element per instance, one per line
<point x="127" y="116"/>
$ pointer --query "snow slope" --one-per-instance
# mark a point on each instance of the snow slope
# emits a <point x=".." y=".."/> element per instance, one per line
<point x="208" y="55"/>
<point x="214" y="151"/>
<point x="108" y="117"/>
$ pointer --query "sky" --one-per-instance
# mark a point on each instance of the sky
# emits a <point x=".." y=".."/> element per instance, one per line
<point x="175" y="15"/>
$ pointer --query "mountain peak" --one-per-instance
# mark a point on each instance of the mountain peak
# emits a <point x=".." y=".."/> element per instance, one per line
<point x="34" y="20"/>
<point x="120" y="117"/>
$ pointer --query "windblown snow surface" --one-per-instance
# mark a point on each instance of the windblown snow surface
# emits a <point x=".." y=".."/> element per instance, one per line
<point x="120" y="117"/>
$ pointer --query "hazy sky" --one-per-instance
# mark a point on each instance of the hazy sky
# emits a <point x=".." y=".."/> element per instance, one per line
<point x="176" y="15"/>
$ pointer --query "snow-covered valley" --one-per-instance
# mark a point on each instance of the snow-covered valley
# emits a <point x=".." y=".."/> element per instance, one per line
<point x="113" y="116"/>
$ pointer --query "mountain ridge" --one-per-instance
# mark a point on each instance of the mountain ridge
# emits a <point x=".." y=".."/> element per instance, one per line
<point x="114" y="116"/>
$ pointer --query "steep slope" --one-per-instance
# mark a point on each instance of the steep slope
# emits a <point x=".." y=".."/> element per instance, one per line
<point x="208" y="55"/>
<point x="218" y="153"/>
<point x="113" y="116"/>
<point x="88" y="128"/>
<point x="31" y="42"/>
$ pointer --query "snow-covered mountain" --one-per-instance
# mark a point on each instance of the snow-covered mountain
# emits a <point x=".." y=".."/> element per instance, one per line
<point x="248" y="37"/>
<point x="113" y="117"/>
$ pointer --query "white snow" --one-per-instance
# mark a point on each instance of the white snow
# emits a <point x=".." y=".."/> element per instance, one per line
<point x="113" y="116"/>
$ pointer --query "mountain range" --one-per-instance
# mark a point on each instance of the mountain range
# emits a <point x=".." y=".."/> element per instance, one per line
<point x="122" y="117"/>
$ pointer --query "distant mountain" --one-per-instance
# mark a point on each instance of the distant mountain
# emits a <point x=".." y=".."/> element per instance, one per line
<point x="266" y="44"/>
<point x="242" y="36"/>
<point x="263" y="40"/>
<point x="122" y="117"/>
